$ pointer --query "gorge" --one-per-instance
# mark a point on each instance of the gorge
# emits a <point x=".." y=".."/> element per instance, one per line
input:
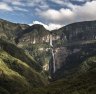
<point x="29" y="55"/>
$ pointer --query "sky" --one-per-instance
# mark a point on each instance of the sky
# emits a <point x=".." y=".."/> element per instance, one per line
<point x="53" y="14"/>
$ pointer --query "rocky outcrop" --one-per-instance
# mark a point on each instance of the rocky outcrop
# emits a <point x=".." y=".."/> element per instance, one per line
<point x="59" y="56"/>
<point x="36" y="34"/>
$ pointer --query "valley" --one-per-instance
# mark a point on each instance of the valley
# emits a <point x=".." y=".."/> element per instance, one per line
<point x="34" y="60"/>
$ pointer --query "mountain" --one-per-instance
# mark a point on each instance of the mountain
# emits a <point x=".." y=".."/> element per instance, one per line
<point x="18" y="71"/>
<point x="69" y="58"/>
<point x="76" y="43"/>
<point x="32" y="57"/>
<point x="32" y="39"/>
<point x="78" y="83"/>
<point x="9" y="30"/>
<point x="34" y="34"/>
<point x="75" y="60"/>
<point x="80" y="31"/>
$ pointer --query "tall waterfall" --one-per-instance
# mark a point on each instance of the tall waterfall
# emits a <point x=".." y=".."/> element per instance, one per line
<point x="54" y="65"/>
<point x="34" y="41"/>
<point x="53" y="54"/>
<point x="51" y="44"/>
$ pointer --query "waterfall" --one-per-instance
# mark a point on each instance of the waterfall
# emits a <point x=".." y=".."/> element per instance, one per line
<point x="54" y="66"/>
<point x="34" y="41"/>
<point x="51" y="44"/>
<point x="53" y="54"/>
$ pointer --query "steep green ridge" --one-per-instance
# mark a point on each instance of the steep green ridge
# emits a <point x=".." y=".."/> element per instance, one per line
<point x="8" y="78"/>
<point x="16" y="75"/>
<point x="19" y="53"/>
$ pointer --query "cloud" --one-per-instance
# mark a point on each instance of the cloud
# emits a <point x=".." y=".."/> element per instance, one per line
<point x="42" y="4"/>
<point x="57" y="16"/>
<point x="50" y="26"/>
<point x="61" y="2"/>
<point x="5" y="7"/>
<point x="68" y="1"/>
<point x="18" y="3"/>
<point x="53" y="26"/>
<point x="20" y="9"/>
<point x="75" y="13"/>
<point x="53" y="12"/>
<point x="9" y="5"/>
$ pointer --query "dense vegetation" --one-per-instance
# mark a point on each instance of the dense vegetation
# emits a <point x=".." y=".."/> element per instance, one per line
<point x="17" y="75"/>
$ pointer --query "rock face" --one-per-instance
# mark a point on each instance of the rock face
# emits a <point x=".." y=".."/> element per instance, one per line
<point x="81" y="31"/>
<point x="59" y="56"/>
<point x="76" y="44"/>
<point x="73" y="58"/>
<point x="78" y="31"/>
<point x="62" y="51"/>
<point x="34" y="34"/>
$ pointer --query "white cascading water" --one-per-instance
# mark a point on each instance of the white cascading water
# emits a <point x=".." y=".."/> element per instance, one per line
<point x="51" y="44"/>
<point x="34" y="41"/>
<point x="54" y="66"/>
<point x="53" y="54"/>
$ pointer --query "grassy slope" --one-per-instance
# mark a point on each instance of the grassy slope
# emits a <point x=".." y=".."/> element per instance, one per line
<point x="15" y="74"/>
<point x="10" y="79"/>
<point x="19" y="54"/>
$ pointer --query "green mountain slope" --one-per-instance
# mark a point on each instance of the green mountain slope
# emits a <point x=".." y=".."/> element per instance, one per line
<point x="16" y="75"/>
<point x="19" y="53"/>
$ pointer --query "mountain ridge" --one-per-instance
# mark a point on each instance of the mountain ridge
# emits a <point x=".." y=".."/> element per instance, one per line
<point x="70" y="50"/>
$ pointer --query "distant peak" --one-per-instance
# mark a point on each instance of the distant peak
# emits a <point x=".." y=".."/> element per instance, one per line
<point x="37" y="26"/>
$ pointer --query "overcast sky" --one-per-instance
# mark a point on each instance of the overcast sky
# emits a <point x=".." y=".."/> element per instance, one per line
<point x="51" y="13"/>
